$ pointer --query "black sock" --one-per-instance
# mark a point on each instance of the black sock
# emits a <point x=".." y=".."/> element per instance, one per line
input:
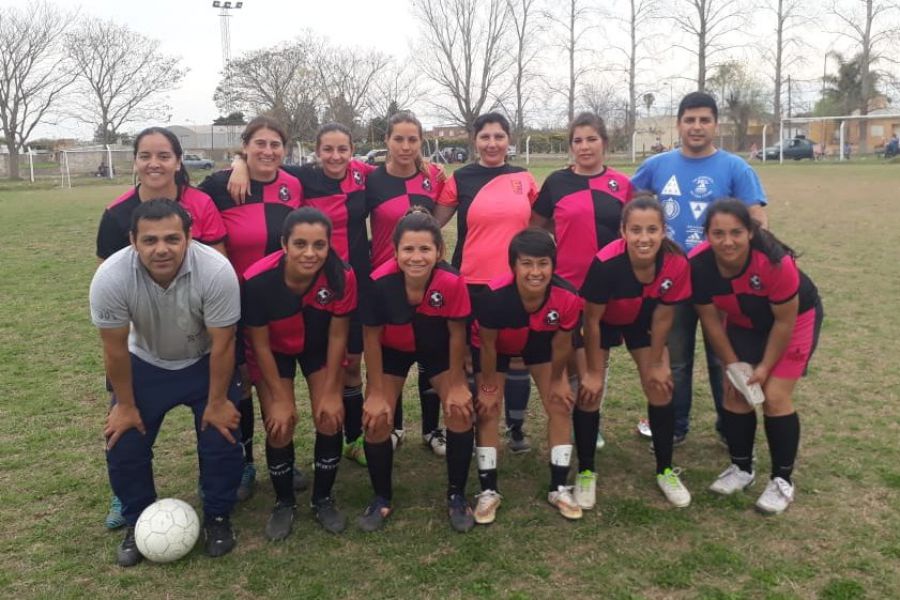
<point x="783" y="434"/>
<point x="281" y="472"/>
<point x="431" y="404"/>
<point x="586" y="425"/>
<point x="459" y="455"/>
<point x="353" y="401"/>
<point x="740" y="431"/>
<point x="326" y="456"/>
<point x="662" y="424"/>
<point x="246" y="409"/>
<point x="559" y="474"/>
<point x="515" y="397"/>
<point x="380" y="459"/>
<point x="488" y="479"/>
<point x="398" y="412"/>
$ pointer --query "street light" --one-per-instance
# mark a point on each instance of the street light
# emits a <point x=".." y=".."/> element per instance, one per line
<point x="224" y="7"/>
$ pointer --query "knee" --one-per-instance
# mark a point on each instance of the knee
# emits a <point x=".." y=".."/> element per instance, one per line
<point x="326" y="427"/>
<point x="457" y="423"/>
<point x="557" y="410"/>
<point x="380" y="432"/>
<point x="281" y="440"/>
<point x="778" y="404"/>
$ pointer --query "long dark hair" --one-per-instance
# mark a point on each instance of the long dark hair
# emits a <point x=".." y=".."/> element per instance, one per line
<point x="418" y="218"/>
<point x="648" y="202"/>
<point x="761" y="239"/>
<point x="182" y="177"/>
<point x="334" y="266"/>
<point x="533" y="241"/>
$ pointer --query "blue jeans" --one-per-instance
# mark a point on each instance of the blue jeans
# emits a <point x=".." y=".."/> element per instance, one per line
<point x="130" y="461"/>
<point x="682" y="345"/>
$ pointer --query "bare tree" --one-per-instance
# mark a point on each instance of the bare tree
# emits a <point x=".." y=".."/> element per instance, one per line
<point x="873" y="26"/>
<point x="710" y="23"/>
<point x="345" y="76"/>
<point x="462" y="52"/>
<point x="393" y="86"/>
<point x="640" y="14"/>
<point x="575" y="18"/>
<point x="522" y="16"/>
<point x="122" y="76"/>
<point x="33" y="73"/>
<point x="789" y="16"/>
<point x="740" y="97"/>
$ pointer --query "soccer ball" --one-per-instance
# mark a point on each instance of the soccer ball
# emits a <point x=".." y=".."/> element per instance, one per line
<point x="167" y="530"/>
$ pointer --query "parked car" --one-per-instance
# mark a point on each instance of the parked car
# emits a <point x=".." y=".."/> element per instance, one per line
<point x="795" y="148"/>
<point x="450" y="154"/>
<point x="511" y="152"/>
<point x="376" y="157"/>
<point x="195" y="161"/>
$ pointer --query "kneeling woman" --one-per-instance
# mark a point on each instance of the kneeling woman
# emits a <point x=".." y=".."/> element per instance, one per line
<point x="416" y="312"/>
<point x="772" y="319"/>
<point x="531" y="314"/>
<point x="297" y="305"/>
<point x="631" y="289"/>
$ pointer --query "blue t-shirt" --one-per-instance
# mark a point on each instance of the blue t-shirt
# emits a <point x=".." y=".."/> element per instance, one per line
<point x="686" y="186"/>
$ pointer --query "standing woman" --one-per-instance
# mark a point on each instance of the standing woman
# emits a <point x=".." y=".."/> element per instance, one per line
<point x="631" y="290"/>
<point x="773" y="315"/>
<point x="492" y="201"/>
<point x="254" y="231"/>
<point x="582" y="206"/>
<point x="417" y="313"/>
<point x="160" y="174"/>
<point x="405" y="180"/>
<point x="297" y="305"/>
<point x="530" y="314"/>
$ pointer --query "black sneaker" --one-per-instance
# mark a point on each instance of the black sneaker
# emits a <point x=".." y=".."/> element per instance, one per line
<point x="301" y="481"/>
<point x="375" y="515"/>
<point x="280" y="522"/>
<point x="127" y="554"/>
<point x="461" y="517"/>
<point x="219" y="536"/>
<point x="517" y="441"/>
<point x="328" y="515"/>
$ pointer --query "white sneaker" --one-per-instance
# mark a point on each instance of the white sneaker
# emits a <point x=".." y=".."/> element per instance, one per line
<point x="436" y="441"/>
<point x="562" y="499"/>
<point x="486" y="505"/>
<point x="586" y="489"/>
<point x="397" y="436"/>
<point x="672" y="488"/>
<point x="731" y="480"/>
<point x="643" y="428"/>
<point x="777" y="496"/>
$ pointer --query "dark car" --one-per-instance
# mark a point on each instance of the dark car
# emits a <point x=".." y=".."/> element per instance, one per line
<point x="194" y="161"/>
<point x="796" y="148"/>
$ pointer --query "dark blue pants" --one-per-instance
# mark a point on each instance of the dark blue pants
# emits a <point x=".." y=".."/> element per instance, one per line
<point x="130" y="461"/>
<point x="682" y="343"/>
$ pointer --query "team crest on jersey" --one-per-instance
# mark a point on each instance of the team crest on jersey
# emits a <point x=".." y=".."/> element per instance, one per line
<point x="614" y="185"/>
<point x="665" y="286"/>
<point x="516" y="186"/>
<point x="284" y="194"/>
<point x="552" y="317"/>
<point x="703" y="187"/>
<point x="357" y="177"/>
<point x="324" y="296"/>
<point x="671" y="208"/>
<point x="435" y="299"/>
<point x="756" y="282"/>
<point x="426" y="184"/>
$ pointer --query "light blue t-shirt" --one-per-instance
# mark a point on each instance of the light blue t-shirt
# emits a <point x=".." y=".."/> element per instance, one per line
<point x="687" y="186"/>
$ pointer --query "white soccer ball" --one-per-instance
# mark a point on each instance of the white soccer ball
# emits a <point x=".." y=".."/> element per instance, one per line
<point x="167" y="530"/>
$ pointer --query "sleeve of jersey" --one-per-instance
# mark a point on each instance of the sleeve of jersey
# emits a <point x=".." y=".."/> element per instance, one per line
<point x="211" y="228"/>
<point x="785" y="281"/>
<point x="681" y="282"/>
<point x="747" y="186"/>
<point x="596" y="285"/>
<point x="108" y="236"/>
<point x="371" y="312"/>
<point x="438" y="179"/>
<point x="483" y="308"/>
<point x="570" y="317"/>
<point x="532" y="190"/>
<point x="699" y="291"/>
<point x="642" y="180"/>
<point x="459" y="307"/>
<point x="109" y="309"/>
<point x="253" y="304"/>
<point x="629" y="191"/>
<point x="222" y="304"/>
<point x="347" y="303"/>
<point x="448" y="194"/>
<point x="544" y="203"/>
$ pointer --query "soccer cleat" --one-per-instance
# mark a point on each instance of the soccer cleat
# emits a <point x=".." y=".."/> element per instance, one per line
<point x="436" y="441"/>
<point x="248" y="482"/>
<point x="731" y="480"/>
<point x="486" y="505"/>
<point x="301" y="481"/>
<point x="356" y="452"/>
<point x="565" y="503"/>
<point x="327" y="514"/>
<point x="127" y="554"/>
<point x="672" y="488"/>
<point x="517" y="441"/>
<point x="586" y="490"/>
<point x="397" y="436"/>
<point x="375" y="515"/>
<point x="220" y="538"/>
<point x="643" y="428"/>
<point x="460" y="513"/>
<point x="114" y="518"/>
<point x="601" y="443"/>
<point x="280" y="522"/>
<point x="777" y="496"/>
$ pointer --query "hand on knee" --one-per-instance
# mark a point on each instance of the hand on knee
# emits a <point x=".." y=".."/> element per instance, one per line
<point x="379" y="432"/>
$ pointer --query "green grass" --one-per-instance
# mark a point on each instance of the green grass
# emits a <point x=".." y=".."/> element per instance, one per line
<point x="841" y="539"/>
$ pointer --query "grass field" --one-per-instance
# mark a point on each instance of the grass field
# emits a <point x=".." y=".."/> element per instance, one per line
<point x="841" y="539"/>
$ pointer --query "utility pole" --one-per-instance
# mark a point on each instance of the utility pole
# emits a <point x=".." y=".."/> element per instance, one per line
<point x="789" y="104"/>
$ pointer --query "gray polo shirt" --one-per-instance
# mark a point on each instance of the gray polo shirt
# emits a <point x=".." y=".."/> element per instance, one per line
<point x="168" y="325"/>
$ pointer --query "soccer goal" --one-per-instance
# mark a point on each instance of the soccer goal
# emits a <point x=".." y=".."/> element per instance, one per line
<point x="99" y="162"/>
<point x="836" y="137"/>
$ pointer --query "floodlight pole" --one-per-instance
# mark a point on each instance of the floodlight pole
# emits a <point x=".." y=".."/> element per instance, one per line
<point x="224" y="15"/>
<point x="781" y="142"/>
<point x="528" y="150"/>
<point x="31" y="162"/>
<point x="842" y="139"/>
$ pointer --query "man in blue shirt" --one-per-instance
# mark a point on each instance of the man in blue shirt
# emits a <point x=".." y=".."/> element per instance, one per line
<point x="686" y="181"/>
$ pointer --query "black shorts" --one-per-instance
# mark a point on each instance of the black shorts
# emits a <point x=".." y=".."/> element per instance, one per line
<point x="397" y="363"/>
<point x="355" y="337"/>
<point x="503" y="360"/>
<point x="635" y="335"/>
<point x="310" y="362"/>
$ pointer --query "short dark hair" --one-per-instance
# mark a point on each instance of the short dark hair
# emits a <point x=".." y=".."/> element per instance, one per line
<point x="644" y="201"/>
<point x="418" y="218"/>
<point x="698" y="100"/>
<point x="763" y="239"/>
<point x="159" y="209"/>
<point x="182" y="178"/>
<point x="488" y="118"/>
<point x="532" y="241"/>
<point x="589" y="119"/>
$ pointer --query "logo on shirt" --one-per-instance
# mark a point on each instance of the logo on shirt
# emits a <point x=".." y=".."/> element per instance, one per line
<point x="324" y="296"/>
<point x="516" y="186"/>
<point x="552" y="317"/>
<point x="756" y="282"/>
<point x="426" y="184"/>
<point x="671" y="208"/>
<point x="614" y="185"/>
<point x="698" y="208"/>
<point x="671" y="188"/>
<point x="435" y="299"/>
<point x="703" y="187"/>
<point x="357" y="177"/>
<point x="284" y="194"/>
<point x="694" y="236"/>
<point x="665" y="286"/>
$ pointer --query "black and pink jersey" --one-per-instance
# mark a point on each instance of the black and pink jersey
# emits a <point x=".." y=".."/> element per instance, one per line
<point x="611" y="281"/>
<point x="519" y="332"/>
<point x="747" y="297"/>
<point x="418" y="328"/>
<point x="254" y="227"/>
<point x="493" y="204"/>
<point x="115" y="224"/>
<point x="387" y="200"/>
<point x="587" y="213"/>
<point x="295" y="322"/>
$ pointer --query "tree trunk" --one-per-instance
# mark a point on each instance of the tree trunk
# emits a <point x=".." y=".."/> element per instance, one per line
<point x="630" y="117"/>
<point x="572" y="61"/>
<point x="779" y="51"/>
<point x="13" y="157"/>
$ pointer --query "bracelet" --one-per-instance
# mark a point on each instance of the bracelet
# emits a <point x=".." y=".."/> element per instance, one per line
<point x="488" y="389"/>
